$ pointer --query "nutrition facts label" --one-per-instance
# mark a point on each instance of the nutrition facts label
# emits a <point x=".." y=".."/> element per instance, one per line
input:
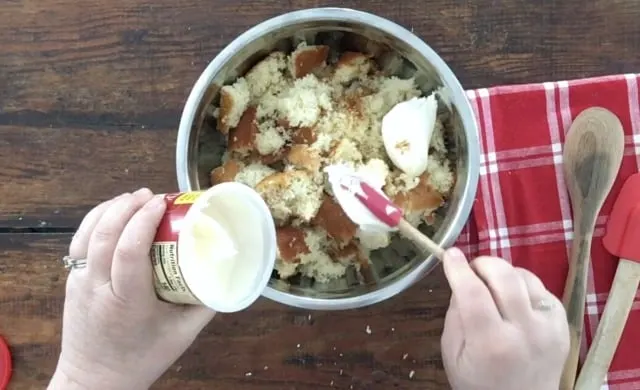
<point x="168" y="279"/>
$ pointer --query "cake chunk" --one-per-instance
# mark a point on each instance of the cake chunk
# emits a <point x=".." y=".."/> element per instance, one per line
<point x="269" y="139"/>
<point x="375" y="172"/>
<point x="234" y="100"/>
<point x="373" y="240"/>
<point x="291" y="194"/>
<point x="440" y="175"/>
<point x="242" y="139"/>
<point x="304" y="157"/>
<point x="344" y="151"/>
<point x="332" y="218"/>
<point x="253" y="174"/>
<point x="291" y="244"/>
<point x="267" y="74"/>
<point x="227" y="172"/>
<point x="318" y="264"/>
<point x="350" y="66"/>
<point x="305" y="59"/>
<point x="420" y="201"/>
<point x="304" y="135"/>
<point x="303" y="104"/>
<point x="321" y="267"/>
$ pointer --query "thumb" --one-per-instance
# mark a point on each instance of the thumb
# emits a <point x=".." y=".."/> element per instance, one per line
<point x="453" y="338"/>
<point x="473" y="300"/>
<point x="457" y="270"/>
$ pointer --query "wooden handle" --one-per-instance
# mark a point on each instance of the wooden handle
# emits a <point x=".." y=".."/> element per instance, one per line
<point x="592" y="155"/>
<point x="573" y="299"/>
<point x="422" y="241"/>
<point x="614" y="318"/>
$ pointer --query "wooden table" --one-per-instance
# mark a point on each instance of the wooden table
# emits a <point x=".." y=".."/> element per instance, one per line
<point x="90" y="97"/>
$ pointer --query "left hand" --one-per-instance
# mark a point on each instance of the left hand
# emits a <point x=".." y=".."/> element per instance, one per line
<point x="116" y="333"/>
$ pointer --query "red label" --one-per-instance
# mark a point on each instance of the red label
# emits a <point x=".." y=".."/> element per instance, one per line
<point x="168" y="279"/>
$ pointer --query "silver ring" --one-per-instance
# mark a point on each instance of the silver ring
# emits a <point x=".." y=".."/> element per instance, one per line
<point x="543" y="305"/>
<point x="71" y="263"/>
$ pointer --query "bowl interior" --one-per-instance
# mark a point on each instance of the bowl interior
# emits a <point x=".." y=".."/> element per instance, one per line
<point x="397" y="57"/>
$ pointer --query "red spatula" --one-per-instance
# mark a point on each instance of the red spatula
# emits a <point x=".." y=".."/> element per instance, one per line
<point x="623" y="240"/>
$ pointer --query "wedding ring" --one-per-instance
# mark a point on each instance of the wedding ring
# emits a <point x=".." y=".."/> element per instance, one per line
<point x="543" y="305"/>
<point x="71" y="263"/>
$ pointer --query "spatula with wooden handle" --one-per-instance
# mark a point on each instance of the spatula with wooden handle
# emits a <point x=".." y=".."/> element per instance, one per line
<point x="621" y="239"/>
<point x="390" y="214"/>
<point x="592" y="155"/>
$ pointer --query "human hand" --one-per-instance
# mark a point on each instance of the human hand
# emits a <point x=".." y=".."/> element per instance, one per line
<point x="504" y="330"/>
<point x="116" y="333"/>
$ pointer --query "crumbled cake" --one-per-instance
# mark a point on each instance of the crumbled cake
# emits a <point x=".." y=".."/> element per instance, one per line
<point x="290" y="116"/>
<point x="291" y="194"/>
<point x="307" y="58"/>
<point x="253" y="174"/>
<point x="269" y="139"/>
<point x="226" y="172"/>
<point x="335" y="222"/>
<point x="305" y="157"/>
<point x="304" y="102"/>
<point x="350" y="66"/>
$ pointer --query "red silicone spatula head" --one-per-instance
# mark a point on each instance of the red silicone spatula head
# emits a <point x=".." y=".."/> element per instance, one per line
<point x="623" y="227"/>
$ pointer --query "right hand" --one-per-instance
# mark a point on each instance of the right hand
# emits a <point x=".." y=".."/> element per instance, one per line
<point x="504" y="330"/>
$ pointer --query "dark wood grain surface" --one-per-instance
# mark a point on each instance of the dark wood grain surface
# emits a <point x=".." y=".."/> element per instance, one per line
<point x="90" y="98"/>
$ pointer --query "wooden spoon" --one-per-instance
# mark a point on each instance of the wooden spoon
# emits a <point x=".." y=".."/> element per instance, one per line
<point x="592" y="156"/>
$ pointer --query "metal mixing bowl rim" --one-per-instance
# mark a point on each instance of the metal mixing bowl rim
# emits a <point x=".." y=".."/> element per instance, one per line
<point x="458" y="97"/>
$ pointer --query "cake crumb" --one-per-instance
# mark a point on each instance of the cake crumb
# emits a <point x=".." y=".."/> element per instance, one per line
<point x="253" y="174"/>
<point x="242" y="138"/>
<point x="268" y="74"/>
<point x="351" y="66"/>
<point x="269" y="139"/>
<point x="368" y="329"/>
<point x="291" y="194"/>
<point x="227" y="172"/>
<point x="234" y="100"/>
<point x="411" y="374"/>
<point x="290" y="116"/>
<point x="303" y="104"/>
<point x="305" y="59"/>
<point x="345" y="151"/>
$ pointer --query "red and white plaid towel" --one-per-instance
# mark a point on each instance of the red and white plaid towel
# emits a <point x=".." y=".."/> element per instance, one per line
<point x="522" y="210"/>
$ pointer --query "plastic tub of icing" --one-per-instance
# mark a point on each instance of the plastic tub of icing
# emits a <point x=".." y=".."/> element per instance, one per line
<point x="215" y="248"/>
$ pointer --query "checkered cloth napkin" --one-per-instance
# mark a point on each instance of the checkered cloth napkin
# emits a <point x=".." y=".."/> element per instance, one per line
<point x="522" y="210"/>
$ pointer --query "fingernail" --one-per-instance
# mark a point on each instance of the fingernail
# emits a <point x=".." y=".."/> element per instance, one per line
<point x="142" y="191"/>
<point x="156" y="202"/>
<point x="454" y="255"/>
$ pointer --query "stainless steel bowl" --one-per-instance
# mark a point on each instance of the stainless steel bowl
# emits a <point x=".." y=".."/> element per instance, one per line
<point x="200" y="147"/>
